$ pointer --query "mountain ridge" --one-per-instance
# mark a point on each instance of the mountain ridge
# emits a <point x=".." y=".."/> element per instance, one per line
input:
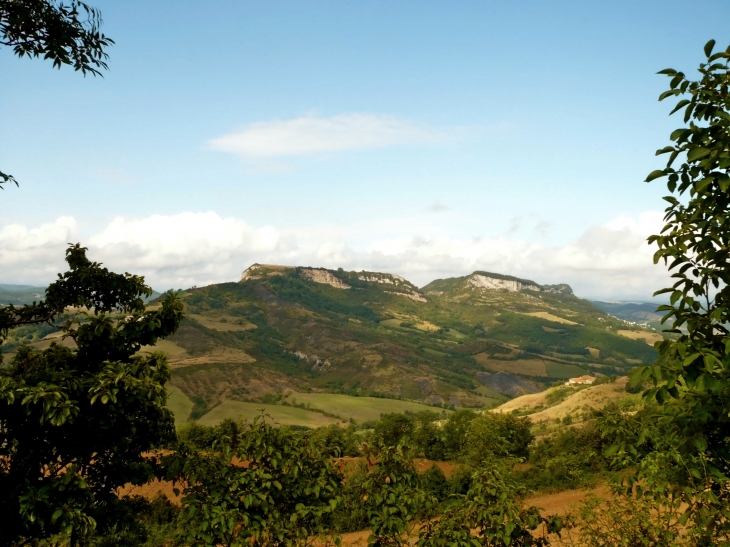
<point x="453" y="342"/>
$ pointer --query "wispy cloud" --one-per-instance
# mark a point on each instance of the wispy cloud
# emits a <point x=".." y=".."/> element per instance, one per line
<point x="312" y="134"/>
<point x="608" y="261"/>
<point x="437" y="207"/>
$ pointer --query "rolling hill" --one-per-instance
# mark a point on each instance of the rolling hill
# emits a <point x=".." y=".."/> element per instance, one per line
<point x="472" y="341"/>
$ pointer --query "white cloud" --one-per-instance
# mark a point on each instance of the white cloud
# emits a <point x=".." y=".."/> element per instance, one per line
<point x="35" y="254"/>
<point x="608" y="261"/>
<point x="311" y="134"/>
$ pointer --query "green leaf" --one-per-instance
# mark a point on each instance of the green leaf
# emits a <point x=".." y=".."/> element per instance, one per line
<point x="704" y="183"/>
<point x="681" y="104"/>
<point x="655" y="175"/>
<point x="697" y="153"/>
<point x="669" y="93"/>
<point x="708" y="48"/>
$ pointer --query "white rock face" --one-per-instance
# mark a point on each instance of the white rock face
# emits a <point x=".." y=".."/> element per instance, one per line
<point x="412" y="295"/>
<point x="492" y="283"/>
<point x="389" y="279"/>
<point x="259" y="271"/>
<point x="318" y="364"/>
<point x="324" y="277"/>
<point x="250" y="272"/>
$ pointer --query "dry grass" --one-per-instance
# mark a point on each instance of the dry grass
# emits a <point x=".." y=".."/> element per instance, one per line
<point x="550" y="317"/>
<point x="173" y="351"/>
<point x="219" y="354"/>
<point x="649" y="337"/>
<point x="593" y="397"/>
<point x="526" y="402"/>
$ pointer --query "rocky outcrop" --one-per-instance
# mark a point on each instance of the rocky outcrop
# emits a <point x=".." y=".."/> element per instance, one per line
<point x="320" y="275"/>
<point x="412" y="295"/>
<point x="408" y="289"/>
<point x="388" y="279"/>
<point x="318" y="364"/>
<point x="493" y="283"/>
<point x="259" y="271"/>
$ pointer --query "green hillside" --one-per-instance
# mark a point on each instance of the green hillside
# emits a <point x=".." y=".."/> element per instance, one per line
<point x="330" y="335"/>
<point x="20" y="294"/>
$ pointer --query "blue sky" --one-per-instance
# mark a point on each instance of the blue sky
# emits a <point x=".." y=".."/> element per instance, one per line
<point x="422" y="138"/>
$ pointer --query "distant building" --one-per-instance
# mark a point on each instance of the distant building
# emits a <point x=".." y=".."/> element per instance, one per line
<point x="580" y="381"/>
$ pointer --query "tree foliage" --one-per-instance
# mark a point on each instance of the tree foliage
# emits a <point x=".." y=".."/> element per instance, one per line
<point x="691" y="379"/>
<point x="75" y="422"/>
<point x="392" y="495"/>
<point x="65" y="33"/>
<point x="272" y="488"/>
<point x="491" y="515"/>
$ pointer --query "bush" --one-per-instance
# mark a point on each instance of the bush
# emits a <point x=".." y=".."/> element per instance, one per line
<point x="573" y="458"/>
<point x="496" y="435"/>
<point x="335" y="441"/>
<point x="455" y="432"/>
<point x="394" y="428"/>
<point x="435" y="483"/>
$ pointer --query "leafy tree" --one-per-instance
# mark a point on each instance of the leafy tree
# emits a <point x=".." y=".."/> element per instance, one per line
<point x="624" y="520"/>
<point x="435" y="483"/>
<point x="496" y="435"/>
<point x="337" y="441"/>
<point x="491" y="515"/>
<point x="455" y="430"/>
<point x="572" y="458"/>
<point x="427" y="438"/>
<point x="67" y="34"/>
<point x="196" y="435"/>
<point x="691" y="379"/>
<point x="75" y="423"/>
<point x="279" y="496"/>
<point x="392" y="495"/>
<point x="394" y="428"/>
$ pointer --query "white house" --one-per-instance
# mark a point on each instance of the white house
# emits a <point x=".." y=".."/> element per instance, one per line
<point x="580" y="381"/>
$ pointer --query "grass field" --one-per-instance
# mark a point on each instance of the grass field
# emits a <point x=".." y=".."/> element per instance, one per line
<point x="359" y="408"/>
<point x="550" y="317"/>
<point x="179" y="404"/>
<point x="222" y="322"/>
<point x="173" y="351"/>
<point x="561" y="370"/>
<point x="283" y="415"/>
<point x="648" y="337"/>
<point x="528" y="367"/>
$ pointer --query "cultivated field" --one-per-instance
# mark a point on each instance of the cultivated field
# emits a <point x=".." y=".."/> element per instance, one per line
<point x="562" y="370"/>
<point x="178" y="403"/>
<point x="222" y="322"/>
<point x="550" y="317"/>
<point x="283" y="415"/>
<point x="525" y="367"/>
<point x="361" y="409"/>
<point x="649" y="337"/>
